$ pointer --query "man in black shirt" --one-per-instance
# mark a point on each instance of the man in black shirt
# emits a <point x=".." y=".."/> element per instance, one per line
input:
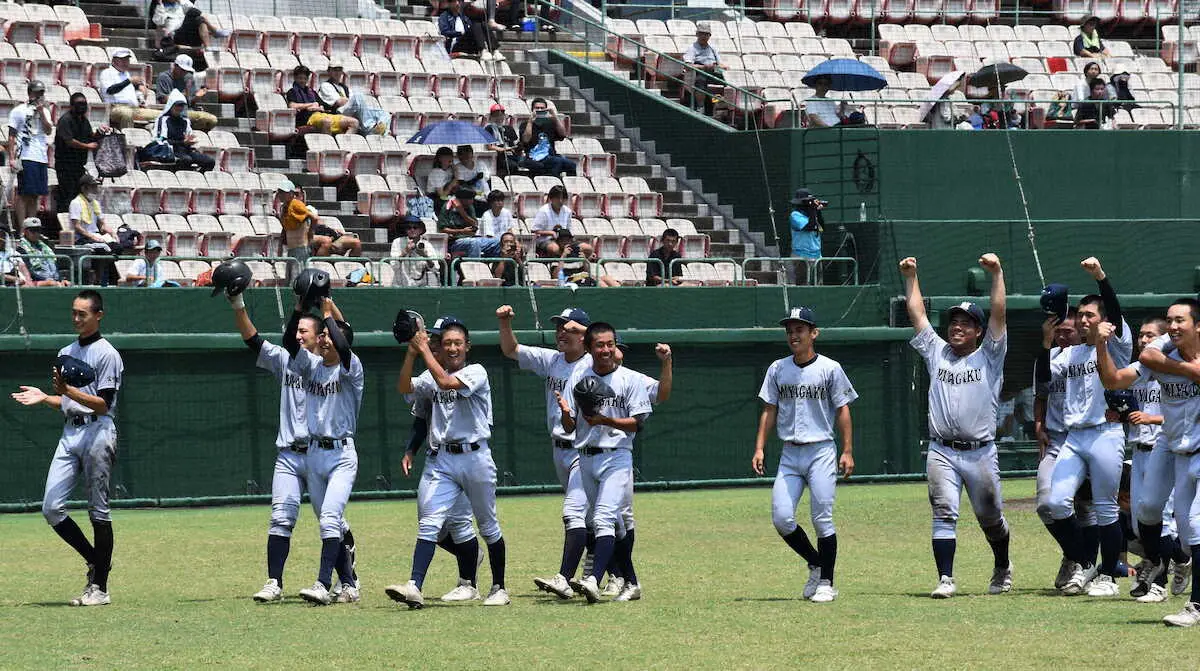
<point x="74" y="139"/>
<point x="667" y="252"/>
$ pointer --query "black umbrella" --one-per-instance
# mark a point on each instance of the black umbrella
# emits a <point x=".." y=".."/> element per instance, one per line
<point x="1001" y="73"/>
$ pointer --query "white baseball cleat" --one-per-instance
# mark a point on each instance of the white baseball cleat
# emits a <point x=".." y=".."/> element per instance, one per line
<point x="613" y="588"/>
<point x="465" y="591"/>
<point x="1080" y="578"/>
<point x="318" y="594"/>
<point x="498" y="596"/>
<point x="1157" y="594"/>
<point x="1103" y="585"/>
<point x="814" y="579"/>
<point x="945" y="589"/>
<point x="630" y="592"/>
<point x="270" y="592"/>
<point x="1065" y="569"/>
<point x="587" y="586"/>
<point x="557" y="586"/>
<point x="92" y="596"/>
<point x="826" y="593"/>
<point x="1001" y="580"/>
<point x="1147" y="573"/>
<point x="1181" y="577"/>
<point x="349" y="594"/>
<point x="408" y="593"/>
<point x="1188" y="617"/>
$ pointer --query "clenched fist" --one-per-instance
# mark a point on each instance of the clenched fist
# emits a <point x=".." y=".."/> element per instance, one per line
<point x="908" y="266"/>
<point x="505" y="312"/>
<point x="990" y="262"/>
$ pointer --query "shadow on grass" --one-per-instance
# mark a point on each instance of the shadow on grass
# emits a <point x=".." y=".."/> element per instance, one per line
<point x="768" y="598"/>
<point x="48" y="604"/>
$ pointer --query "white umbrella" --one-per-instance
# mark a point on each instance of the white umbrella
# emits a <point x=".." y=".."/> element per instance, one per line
<point x="943" y="85"/>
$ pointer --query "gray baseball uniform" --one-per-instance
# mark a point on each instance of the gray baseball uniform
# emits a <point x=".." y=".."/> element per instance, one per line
<point x="89" y="442"/>
<point x="806" y="397"/>
<point x="458" y="522"/>
<point x="1056" y="430"/>
<point x="964" y="394"/>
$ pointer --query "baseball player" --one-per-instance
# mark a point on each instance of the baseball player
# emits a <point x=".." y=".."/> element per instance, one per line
<point x="459" y="459"/>
<point x="965" y="378"/>
<point x="556" y="367"/>
<point x="1180" y="440"/>
<point x="334" y="379"/>
<point x="88" y="446"/>
<point x="1094" y="447"/>
<point x="291" y="472"/>
<point x="804" y="395"/>
<point x="604" y="432"/>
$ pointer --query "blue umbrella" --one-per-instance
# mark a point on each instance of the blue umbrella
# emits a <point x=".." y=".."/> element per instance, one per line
<point x="451" y="132"/>
<point x="847" y="74"/>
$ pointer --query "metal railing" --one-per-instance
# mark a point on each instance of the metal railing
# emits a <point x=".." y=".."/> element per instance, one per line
<point x="456" y="263"/>
<point x="1009" y="104"/>
<point x="739" y="270"/>
<point x="630" y="261"/>
<point x="24" y="259"/>
<point x="812" y="267"/>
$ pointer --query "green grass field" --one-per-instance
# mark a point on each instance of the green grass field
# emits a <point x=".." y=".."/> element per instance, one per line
<point x="721" y="591"/>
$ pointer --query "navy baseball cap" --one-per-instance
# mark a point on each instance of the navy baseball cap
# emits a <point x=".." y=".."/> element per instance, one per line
<point x="1054" y="300"/>
<point x="970" y="309"/>
<point x="802" y="314"/>
<point x="621" y="344"/>
<point x="444" y="322"/>
<point x="572" y="315"/>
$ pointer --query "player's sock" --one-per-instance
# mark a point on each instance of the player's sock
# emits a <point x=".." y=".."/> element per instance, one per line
<point x="422" y="558"/>
<point x="827" y="549"/>
<point x="1000" y="551"/>
<point x="1177" y="552"/>
<point x="943" y="555"/>
<point x="330" y="548"/>
<point x="1067" y="533"/>
<point x="348" y="545"/>
<point x="591" y="542"/>
<point x="573" y="546"/>
<point x="1110" y="548"/>
<point x="1090" y="538"/>
<point x="103" y="533"/>
<point x="798" y="541"/>
<point x="277" y="554"/>
<point x="1149" y="532"/>
<point x="623" y="559"/>
<point x="496" y="561"/>
<point x="466" y="554"/>
<point x="603" y="555"/>
<point x="70" y="532"/>
<point x="446" y="543"/>
<point x="341" y="564"/>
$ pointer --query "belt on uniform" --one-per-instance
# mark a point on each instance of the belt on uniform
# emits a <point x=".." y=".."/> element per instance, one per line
<point x="329" y="443"/>
<point x="564" y="444"/>
<point x="298" y="447"/>
<point x="963" y="445"/>
<point x="457" y="448"/>
<point x="592" y="451"/>
<point x="81" y="420"/>
<point x="1143" y="447"/>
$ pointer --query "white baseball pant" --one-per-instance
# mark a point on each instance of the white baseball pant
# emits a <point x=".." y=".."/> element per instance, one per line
<point x="1187" y="504"/>
<point x="566" y="466"/>
<point x="608" y="483"/>
<point x="978" y="471"/>
<point x="1151" y="479"/>
<point x="89" y="450"/>
<point x="1084" y="509"/>
<point x="815" y="465"/>
<point x="1096" y="453"/>
<point x="440" y="495"/>
<point x="331" y="475"/>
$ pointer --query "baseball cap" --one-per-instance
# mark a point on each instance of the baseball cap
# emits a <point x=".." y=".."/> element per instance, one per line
<point x="184" y="62"/>
<point x="703" y="27"/>
<point x="444" y="322"/>
<point x="572" y="315"/>
<point x="121" y="52"/>
<point x="621" y="344"/>
<point x="31" y="222"/>
<point x="802" y="314"/>
<point x="336" y="64"/>
<point x="497" y="107"/>
<point x="1054" y="300"/>
<point x="286" y="186"/>
<point x="970" y="309"/>
<point x="153" y="244"/>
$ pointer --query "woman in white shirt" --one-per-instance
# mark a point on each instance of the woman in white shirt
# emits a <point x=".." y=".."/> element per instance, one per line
<point x="497" y="220"/>
<point x="553" y="217"/>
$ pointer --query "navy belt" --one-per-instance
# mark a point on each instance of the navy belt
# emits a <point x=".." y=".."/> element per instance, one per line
<point x="298" y="447"/>
<point x="963" y="445"/>
<point x="457" y="448"/>
<point x="593" y="451"/>
<point x="81" y="420"/>
<point x="329" y="443"/>
<point x="1143" y="447"/>
<point x="564" y="444"/>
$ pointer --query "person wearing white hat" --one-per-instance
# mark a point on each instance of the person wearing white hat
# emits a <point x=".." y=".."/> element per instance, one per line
<point x="332" y="102"/>
<point x="29" y="126"/>
<point x="336" y="75"/>
<point x="125" y="92"/>
<point x="181" y="77"/>
<point x="39" y="257"/>
<point x="703" y="56"/>
<point x="297" y="220"/>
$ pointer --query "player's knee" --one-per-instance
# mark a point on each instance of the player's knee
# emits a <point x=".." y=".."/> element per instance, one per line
<point x="54" y="513"/>
<point x="460" y="531"/>
<point x="823" y="525"/>
<point x="100" y="515"/>
<point x="428" y="531"/>
<point x="571" y="522"/>
<point x="1147" y="513"/>
<point x="945" y="529"/>
<point x="331" y="526"/>
<point x="784" y="524"/>
<point x="1060" y="507"/>
<point x="490" y="532"/>
<point x="994" y="529"/>
<point x="1043" y="513"/>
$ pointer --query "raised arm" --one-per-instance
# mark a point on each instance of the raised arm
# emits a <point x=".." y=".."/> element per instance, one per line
<point x="666" y="372"/>
<point x="289" y="332"/>
<point x="508" y="339"/>
<point x="914" y="301"/>
<point x="998" y="321"/>
<point x="245" y="327"/>
<point x="1110" y="377"/>
<point x="1112" y="307"/>
<point x="420" y="340"/>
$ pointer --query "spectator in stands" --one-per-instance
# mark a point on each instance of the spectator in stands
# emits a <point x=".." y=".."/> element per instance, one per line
<point x="309" y="111"/>
<point x="666" y="252"/>
<point x="1118" y="89"/>
<point x="458" y="221"/>
<point x="91" y="230"/>
<point x="38" y="256"/>
<point x="1083" y="87"/>
<point x="506" y="142"/>
<point x="297" y="223"/>
<point x="552" y="218"/>
<point x="174" y="127"/>
<point x="705" y="59"/>
<point x="333" y="104"/>
<point x="421" y="265"/>
<point x="510" y="273"/>
<point x="125" y="93"/>
<point x="74" y="140"/>
<point x="538" y="136"/>
<point x="331" y="239"/>
<point x="575" y="266"/>
<point x="497" y="219"/>
<point x="370" y="120"/>
<point x="464" y="35"/>
<point x="12" y="269"/>
<point x="184" y="27"/>
<point x="336" y="75"/>
<point x="145" y="272"/>
<point x="471" y="174"/>
<point x="825" y="113"/>
<point x="1088" y="43"/>
<point x="28" y="150"/>
<point x="181" y="77"/>
<point x="1094" y="113"/>
<point x="806" y="223"/>
<point x="441" y="182"/>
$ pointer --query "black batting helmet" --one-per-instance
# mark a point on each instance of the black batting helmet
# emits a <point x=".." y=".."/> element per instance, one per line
<point x="233" y="276"/>
<point x="311" y="286"/>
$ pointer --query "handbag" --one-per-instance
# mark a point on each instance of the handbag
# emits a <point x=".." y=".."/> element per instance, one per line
<point x="110" y="156"/>
<point x="158" y="151"/>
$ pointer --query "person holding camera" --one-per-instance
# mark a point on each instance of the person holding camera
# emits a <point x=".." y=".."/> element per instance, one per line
<point x="512" y="274"/>
<point x="807" y="224"/>
<point x="457" y="220"/>
<point x="28" y="151"/>
<point x="474" y="175"/>
<point x="419" y="262"/>
<point x="538" y="135"/>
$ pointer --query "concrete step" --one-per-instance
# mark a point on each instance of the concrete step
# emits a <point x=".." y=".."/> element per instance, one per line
<point x="106" y="10"/>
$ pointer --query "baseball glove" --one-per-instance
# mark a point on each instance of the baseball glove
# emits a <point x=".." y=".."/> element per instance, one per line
<point x="1122" y="402"/>
<point x="406" y="325"/>
<point x="591" y="393"/>
<point x="75" y="372"/>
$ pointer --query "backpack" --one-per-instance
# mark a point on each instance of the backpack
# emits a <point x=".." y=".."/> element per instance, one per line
<point x="127" y="237"/>
<point x="110" y="157"/>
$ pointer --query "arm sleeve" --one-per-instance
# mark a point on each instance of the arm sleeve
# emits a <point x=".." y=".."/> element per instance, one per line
<point x="255" y="343"/>
<point x="118" y="87"/>
<point x="841" y="392"/>
<point x="1112" y="307"/>
<point x="418" y="434"/>
<point x="1041" y="372"/>
<point x="927" y="342"/>
<point x="534" y="359"/>
<point x="289" y="334"/>
<point x="339" y="341"/>
<point x="638" y="399"/>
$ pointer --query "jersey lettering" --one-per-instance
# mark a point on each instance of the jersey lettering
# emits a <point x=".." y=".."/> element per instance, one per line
<point x="1081" y="369"/>
<point x="556" y="384"/>
<point x="971" y="376"/>
<point x="1178" y="390"/>
<point x="804" y="391"/>
<point x="330" y="388"/>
